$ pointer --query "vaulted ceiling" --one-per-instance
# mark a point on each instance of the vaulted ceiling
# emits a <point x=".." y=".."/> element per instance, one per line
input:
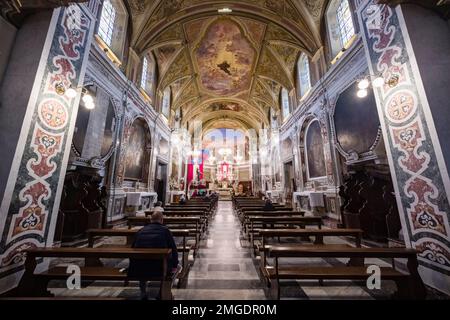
<point x="226" y="69"/>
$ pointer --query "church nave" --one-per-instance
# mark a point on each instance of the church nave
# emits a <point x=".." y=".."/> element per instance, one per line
<point x="251" y="150"/>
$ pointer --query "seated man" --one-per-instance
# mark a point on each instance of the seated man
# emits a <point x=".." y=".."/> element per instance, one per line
<point x="158" y="207"/>
<point x="268" y="205"/>
<point x="182" y="199"/>
<point x="153" y="235"/>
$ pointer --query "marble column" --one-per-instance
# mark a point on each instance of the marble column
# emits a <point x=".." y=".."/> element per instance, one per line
<point x="409" y="46"/>
<point x="37" y="122"/>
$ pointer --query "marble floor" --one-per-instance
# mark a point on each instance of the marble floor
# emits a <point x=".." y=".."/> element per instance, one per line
<point x="225" y="269"/>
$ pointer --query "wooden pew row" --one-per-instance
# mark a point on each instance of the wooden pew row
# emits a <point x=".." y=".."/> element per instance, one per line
<point x="278" y="211"/>
<point x="241" y="210"/>
<point x="244" y="218"/>
<point x="188" y="208"/>
<point x="192" y="222"/>
<point x="409" y="286"/>
<point x="35" y="284"/>
<point x="261" y="207"/>
<point x="185" y="248"/>
<point x="173" y="214"/>
<point x="290" y="221"/>
<point x="211" y="204"/>
<point x="304" y="235"/>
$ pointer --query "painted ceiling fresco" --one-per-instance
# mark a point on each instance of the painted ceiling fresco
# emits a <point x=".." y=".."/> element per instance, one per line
<point x="224" y="106"/>
<point x="164" y="55"/>
<point x="236" y="60"/>
<point x="225" y="59"/>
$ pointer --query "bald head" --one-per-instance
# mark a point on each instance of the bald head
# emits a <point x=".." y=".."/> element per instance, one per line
<point x="157" y="217"/>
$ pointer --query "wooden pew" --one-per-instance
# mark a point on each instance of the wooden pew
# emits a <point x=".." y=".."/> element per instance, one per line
<point x="189" y="205"/>
<point x="271" y="213"/>
<point x="130" y="234"/>
<point x="261" y="208"/>
<point x="291" y="221"/>
<point x="409" y="286"/>
<point x="208" y="207"/>
<point x="189" y="208"/>
<point x="318" y="234"/>
<point x="169" y="221"/>
<point x="304" y="234"/>
<point x="274" y="214"/>
<point x="242" y="210"/>
<point x="183" y="213"/>
<point x="194" y="222"/>
<point x="35" y="284"/>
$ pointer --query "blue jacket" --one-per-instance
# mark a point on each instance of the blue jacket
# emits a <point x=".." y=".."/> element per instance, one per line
<point x="153" y="235"/>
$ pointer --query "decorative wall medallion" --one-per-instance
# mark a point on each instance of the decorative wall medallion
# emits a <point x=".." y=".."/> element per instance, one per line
<point x="401" y="106"/>
<point x="53" y="114"/>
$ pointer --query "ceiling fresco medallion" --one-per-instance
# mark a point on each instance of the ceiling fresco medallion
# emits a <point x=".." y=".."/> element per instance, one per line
<point x="225" y="59"/>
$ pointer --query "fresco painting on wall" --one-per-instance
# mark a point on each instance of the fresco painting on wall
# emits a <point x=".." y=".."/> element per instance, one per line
<point x="314" y="151"/>
<point x="225" y="59"/>
<point x="135" y="155"/>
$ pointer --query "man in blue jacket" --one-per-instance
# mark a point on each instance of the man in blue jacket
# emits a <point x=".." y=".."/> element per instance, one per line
<point x="153" y="235"/>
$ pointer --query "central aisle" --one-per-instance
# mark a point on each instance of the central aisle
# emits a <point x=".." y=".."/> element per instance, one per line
<point x="223" y="269"/>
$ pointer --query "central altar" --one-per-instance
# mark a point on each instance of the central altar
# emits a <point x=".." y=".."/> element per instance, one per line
<point x="224" y="193"/>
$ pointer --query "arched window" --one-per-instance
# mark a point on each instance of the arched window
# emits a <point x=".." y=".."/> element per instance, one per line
<point x="112" y="26"/>
<point x="148" y="74"/>
<point x="144" y="73"/>
<point x="340" y="25"/>
<point x="285" y="108"/>
<point x="107" y="18"/>
<point x="344" y="18"/>
<point x="304" y="77"/>
<point x="165" y="107"/>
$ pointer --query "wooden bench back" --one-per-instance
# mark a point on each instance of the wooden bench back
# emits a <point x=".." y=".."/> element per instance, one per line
<point x="344" y="252"/>
<point x="111" y="253"/>
<point x="318" y="234"/>
<point x="179" y="213"/>
<point x="273" y="213"/>
<point x="310" y="232"/>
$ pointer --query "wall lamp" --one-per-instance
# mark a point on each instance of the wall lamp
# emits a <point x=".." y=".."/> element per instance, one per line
<point x="72" y="92"/>
<point x="365" y="83"/>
